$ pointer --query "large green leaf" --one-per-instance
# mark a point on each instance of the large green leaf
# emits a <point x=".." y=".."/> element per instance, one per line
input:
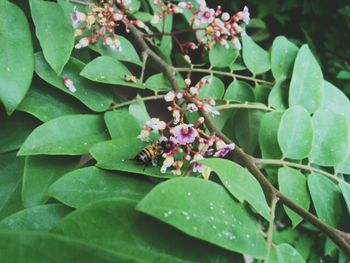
<point x="247" y="125"/>
<point x="335" y="100"/>
<point x="127" y="52"/>
<point x="71" y="134"/>
<point x="94" y="96"/>
<point x="46" y="103"/>
<point x="115" y="225"/>
<point x="283" y="55"/>
<point x="221" y="57"/>
<point x="108" y="70"/>
<point x="255" y="58"/>
<point x="17" y="59"/>
<point x="121" y="124"/>
<point x="14" y="130"/>
<point x="166" y="43"/>
<point x="119" y="154"/>
<point x="307" y="81"/>
<point x="39" y="218"/>
<point x="285" y="253"/>
<point x="139" y="111"/>
<point x="327" y="199"/>
<point x="87" y="185"/>
<point x="295" y="133"/>
<point x="159" y="82"/>
<point x="36" y="247"/>
<point x="268" y="135"/>
<point x="293" y="184"/>
<point x="39" y="173"/>
<point x="55" y="34"/>
<point x="214" y="90"/>
<point x="239" y="91"/>
<point x="204" y="209"/>
<point x="11" y="169"/>
<point x="278" y="97"/>
<point x="241" y="184"/>
<point x="331" y="142"/>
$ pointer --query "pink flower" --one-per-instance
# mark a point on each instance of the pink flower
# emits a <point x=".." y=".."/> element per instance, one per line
<point x="69" y="84"/>
<point x="196" y="166"/>
<point x="77" y="17"/>
<point x="224" y="150"/>
<point x="168" y="145"/>
<point x="206" y="15"/>
<point x="84" y="42"/>
<point x="244" y="15"/>
<point x="185" y="133"/>
<point x="156" y="124"/>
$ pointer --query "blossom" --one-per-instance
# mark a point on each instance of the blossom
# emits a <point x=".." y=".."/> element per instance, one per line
<point x="168" y="161"/>
<point x="206" y="15"/>
<point x="192" y="107"/>
<point x="69" y="84"/>
<point x="155" y="19"/>
<point x="225" y="16"/>
<point x="211" y="110"/>
<point x="196" y="166"/>
<point x="117" y="16"/>
<point x="185" y="133"/>
<point x="144" y="136"/>
<point x="77" y="17"/>
<point x="236" y="42"/>
<point x="155" y="124"/>
<point x="176" y="116"/>
<point x="84" y="42"/>
<point x="168" y="145"/>
<point x="169" y="96"/>
<point x="244" y="15"/>
<point x="223" y="150"/>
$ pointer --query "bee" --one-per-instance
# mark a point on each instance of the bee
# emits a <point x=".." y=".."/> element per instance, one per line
<point x="150" y="154"/>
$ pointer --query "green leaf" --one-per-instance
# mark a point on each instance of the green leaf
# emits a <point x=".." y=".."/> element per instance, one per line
<point x="295" y="133"/>
<point x="327" y="199"/>
<point x="121" y="124"/>
<point x="139" y="111"/>
<point x="115" y="225"/>
<point x="221" y="57"/>
<point x="95" y="97"/>
<point x="343" y="166"/>
<point x="278" y="97"/>
<point x="71" y="134"/>
<point x="239" y="91"/>
<point x="247" y="129"/>
<point x="108" y="70"/>
<point x="255" y="58"/>
<point x="40" y="172"/>
<point x="293" y="184"/>
<point x="14" y="130"/>
<point x="55" y="34"/>
<point x="261" y="93"/>
<point x="39" y="218"/>
<point x="166" y="43"/>
<point x="335" y="100"/>
<point x="345" y="189"/>
<point x="307" y="81"/>
<point x="214" y="90"/>
<point x="127" y="53"/>
<point x="159" y="82"/>
<point x="283" y="55"/>
<point x="331" y="141"/>
<point x="36" y="247"/>
<point x="17" y="59"/>
<point x="11" y="168"/>
<point x="285" y="253"/>
<point x="241" y="184"/>
<point x="87" y="185"/>
<point x="204" y="209"/>
<point x="268" y="135"/>
<point x="119" y="154"/>
<point x="46" y="103"/>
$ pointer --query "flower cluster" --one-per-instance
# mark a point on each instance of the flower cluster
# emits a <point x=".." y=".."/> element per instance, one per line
<point x="219" y="27"/>
<point x="184" y="144"/>
<point x="101" y="22"/>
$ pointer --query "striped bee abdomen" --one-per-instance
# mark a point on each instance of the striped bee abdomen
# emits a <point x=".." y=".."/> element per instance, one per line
<point x="149" y="154"/>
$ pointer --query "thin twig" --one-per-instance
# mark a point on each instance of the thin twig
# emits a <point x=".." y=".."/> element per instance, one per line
<point x="246" y="159"/>
<point x="244" y="106"/>
<point x="126" y="103"/>
<point x="269" y="232"/>
<point x="296" y="165"/>
<point x="229" y="74"/>
<point x="144" y="62"/>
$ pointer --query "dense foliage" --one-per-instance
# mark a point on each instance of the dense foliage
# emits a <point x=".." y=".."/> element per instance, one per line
<point x="143" y="131"/>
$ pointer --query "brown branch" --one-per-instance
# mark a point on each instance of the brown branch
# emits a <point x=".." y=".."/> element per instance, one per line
<point x="246" y="159"/>
<point x="173" y="33"/>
